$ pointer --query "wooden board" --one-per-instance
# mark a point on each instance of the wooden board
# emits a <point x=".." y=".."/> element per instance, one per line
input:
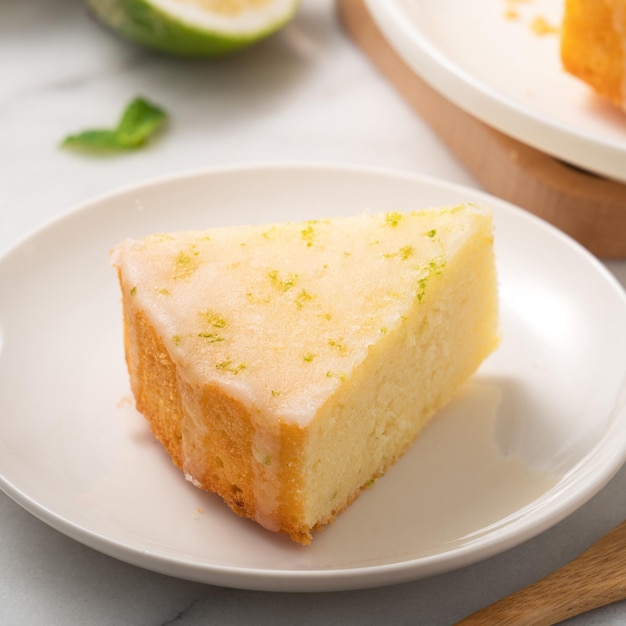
<point x="589" y="208"/>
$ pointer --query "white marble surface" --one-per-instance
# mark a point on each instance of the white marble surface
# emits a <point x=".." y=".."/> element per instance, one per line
<point x="307" y="95"/>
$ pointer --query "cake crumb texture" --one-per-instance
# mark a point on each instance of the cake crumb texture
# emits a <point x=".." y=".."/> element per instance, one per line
<point x="286" y="367"/>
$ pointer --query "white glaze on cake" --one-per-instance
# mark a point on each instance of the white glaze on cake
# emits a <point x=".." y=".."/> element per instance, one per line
<point x="257" y="287"/>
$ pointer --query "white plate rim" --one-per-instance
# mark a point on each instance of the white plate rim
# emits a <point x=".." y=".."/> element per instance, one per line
<point x="505" y="537"/>
<point x="494" y="108"/>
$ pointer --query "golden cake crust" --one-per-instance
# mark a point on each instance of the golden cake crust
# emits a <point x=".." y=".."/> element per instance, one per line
<point x="228" y="429"/>
<point x="593" y="45"/>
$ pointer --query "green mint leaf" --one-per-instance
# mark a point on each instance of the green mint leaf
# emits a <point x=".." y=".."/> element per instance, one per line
<point x="139" y="121"/>
<point x="93" y="140"/>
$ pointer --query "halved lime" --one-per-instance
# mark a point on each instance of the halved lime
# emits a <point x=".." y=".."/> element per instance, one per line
<point x="194" y="28"/>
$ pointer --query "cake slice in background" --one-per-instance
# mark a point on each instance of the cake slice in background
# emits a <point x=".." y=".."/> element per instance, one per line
<point x="285" y="367"/>
<point x="593" y="45"/>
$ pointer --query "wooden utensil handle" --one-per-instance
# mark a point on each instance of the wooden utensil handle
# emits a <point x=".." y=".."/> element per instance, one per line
<point x="596" y="578"/>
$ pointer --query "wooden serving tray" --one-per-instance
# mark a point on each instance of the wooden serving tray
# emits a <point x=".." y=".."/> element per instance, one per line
<point x="589" y="208"/>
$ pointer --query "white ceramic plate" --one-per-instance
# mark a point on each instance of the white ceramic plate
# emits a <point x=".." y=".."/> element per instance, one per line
<point x="537" y="432"/>
<point x="505" y="74"/>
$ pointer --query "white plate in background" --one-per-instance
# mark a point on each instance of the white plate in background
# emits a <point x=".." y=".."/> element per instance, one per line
<point x="537" y="432"/>
<point x="505" y="74"/>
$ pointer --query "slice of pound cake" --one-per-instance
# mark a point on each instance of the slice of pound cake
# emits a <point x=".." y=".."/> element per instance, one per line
<point x="285" y="367"/>
<point x="593" y="45"/>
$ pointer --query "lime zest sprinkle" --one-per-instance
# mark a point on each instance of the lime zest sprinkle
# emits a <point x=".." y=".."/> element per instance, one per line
<point x="270" y="232"/>
<point x="342" y="348"/>
<point x="211" y="337"/>
<point x="228" y="366"/>
<point x="393" y="218"/>
<point x="213" y="319"/>
<point x="340" y="375"/>
<point x="431" y="233"/>
<point x="403" y="253"/>
<point x="282" y="282"/>
<point x="435" y="267"/>
<point x="133" y="291"/>
<point x="186" y="263"/>
<point x="308" y="357"/>
<point x="308" y="234"/>
<point x="302" y="297"/>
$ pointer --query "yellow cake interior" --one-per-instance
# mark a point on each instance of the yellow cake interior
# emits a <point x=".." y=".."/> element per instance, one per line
<point x="287" y="366"/>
